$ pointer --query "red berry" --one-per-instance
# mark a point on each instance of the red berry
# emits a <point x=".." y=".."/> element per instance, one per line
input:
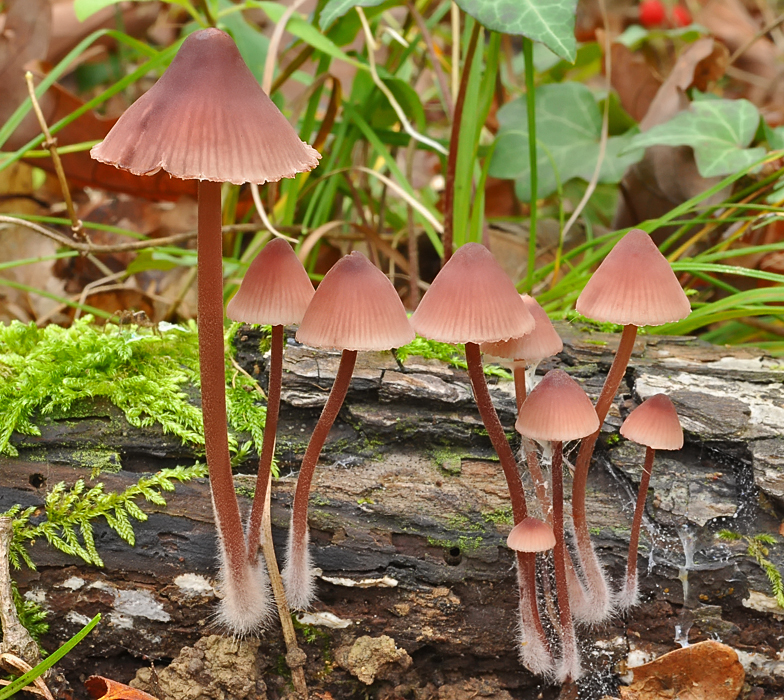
<point x="652" y="13"/>
<point x="681" y="16"/>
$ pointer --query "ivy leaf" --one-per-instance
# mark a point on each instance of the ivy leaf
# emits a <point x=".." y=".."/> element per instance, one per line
<point x="569" y="126"/>
<point x="719" y="131"/>
<point x="549" y="21"/>
<point x="335" y="9"/>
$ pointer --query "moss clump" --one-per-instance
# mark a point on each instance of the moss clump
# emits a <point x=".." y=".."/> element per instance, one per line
<point x="499" y="516"/>
<point x="453" y="355"/>
<point x="98" y="461"/>
<point x="466" y="545"/>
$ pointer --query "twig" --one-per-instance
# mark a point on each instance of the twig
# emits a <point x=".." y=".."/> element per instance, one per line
<point x="753" y="40"/>
<point x="413" y="247"/>
<point x="254" y="191"/>
<point x="51" y="144"/>
<point x="16" y="639"/>
<point x="272" y="49"/>
<point x="401" y="115"/>
<point x="455" y="17"/>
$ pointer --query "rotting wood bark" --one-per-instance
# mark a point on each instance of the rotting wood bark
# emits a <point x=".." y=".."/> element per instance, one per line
<point x="408" y="494"/>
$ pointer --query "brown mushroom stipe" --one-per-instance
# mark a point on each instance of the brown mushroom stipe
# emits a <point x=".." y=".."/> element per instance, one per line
<point x="208" y="119"/>
<point x="654" y="423"/>
<point x="354" y="308"/>
<point x="633" y="270"/>
<point x="471" y="301"/>
<point x="557" y="410"/>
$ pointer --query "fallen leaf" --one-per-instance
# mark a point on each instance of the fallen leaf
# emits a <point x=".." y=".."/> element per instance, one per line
<point x="106" y="689"/>
<point x="633" y="80"/>
<point x="705" y="671"/>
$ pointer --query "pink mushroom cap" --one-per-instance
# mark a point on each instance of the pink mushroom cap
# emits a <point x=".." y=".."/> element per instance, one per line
<point x="355" y="307"/>
<point x="472" y="301"/>
<point x="207" y="118"/>
<point x="531" y="535"/>
<point x="634" y="285"/>
<point x="276" y="290"/>
<point x="557" y="409"/>
<point x="654" y="423"/>
<point x="543" y="341"/>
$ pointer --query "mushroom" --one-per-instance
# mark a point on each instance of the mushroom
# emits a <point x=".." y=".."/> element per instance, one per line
<point x="354" y="308"/>
<point x="634" y="286"/>
<point x="558" y="410"/>
<point x="208" y="119"/>
<point x="531" y="535"/>
<point x="472" y="301"/>
<point x="654" y="423"/>
<point x="275" y="291"/>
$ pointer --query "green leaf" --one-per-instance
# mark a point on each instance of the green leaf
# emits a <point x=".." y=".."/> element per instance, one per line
<point x="719" y="131"/>
<point x="569" y="127"/>
<point x="85" y="8"/>
<point x="335" y="9"/>
<point x="548" y="21"/>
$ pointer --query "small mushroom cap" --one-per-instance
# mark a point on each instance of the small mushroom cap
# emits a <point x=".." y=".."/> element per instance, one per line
<point x="541" y="342"/>
<point x="634" y="285"/>
<point x="207" y="119"/>
<point x="531" y="535"/>
<point x="355" y="307"/>
<point x="276" y="290"/>
<point x="654" y="423"/>
<point x="472" y="301"/>
<point x="557" y="409"/>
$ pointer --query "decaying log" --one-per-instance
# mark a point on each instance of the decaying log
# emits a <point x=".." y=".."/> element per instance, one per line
<point x="409" y="515"/>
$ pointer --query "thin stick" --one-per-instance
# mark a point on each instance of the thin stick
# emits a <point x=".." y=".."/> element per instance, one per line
<point x="431" y="50"/>
<point x="753" y="40"/>
<point x="297" y="573"/>
<point x="51" y="144"/>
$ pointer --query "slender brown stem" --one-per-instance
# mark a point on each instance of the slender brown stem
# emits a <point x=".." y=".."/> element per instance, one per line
<point x="496" y="431"/>
<point x="634" y="538"/>
<point x="569" y="654"/>
<point x="213" y="380"/>
<point x="588" y="560"/>
<point x="451" y="163"/>
<point x="529" y="450"/>
<point x="299" y="516"/>
<point x="268" y="446"/>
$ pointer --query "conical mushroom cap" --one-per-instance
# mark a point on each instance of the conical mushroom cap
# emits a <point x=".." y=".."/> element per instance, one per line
<point x="355" y="308"/>
<point x="654" y="423"/>
<point x="634" y="285"/>
<point x="531" y="535"/>
<point x="472" y="301"/>
<point x="557" y="409"/>
<point x="541" y="342"/>
<point x="276" y="289"/>
<point x="207" y="119"/>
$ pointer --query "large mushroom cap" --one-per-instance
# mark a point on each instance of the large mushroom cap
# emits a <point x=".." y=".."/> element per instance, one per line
<point x="543" y="341"/>
<point x="557" y="409"/>
<point x="355" y="308"/>
<point x="531" y="535"/>
<point x="207" y="119"/>
<point x="276" y="290"/>
<point x="472" y="301"/>
<point x="654" y="423"/>
<point x="634" y="285"/>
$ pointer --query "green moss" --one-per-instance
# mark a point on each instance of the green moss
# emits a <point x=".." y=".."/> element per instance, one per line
<point x="466" y="545"/>
<point x="614" y="439"/>
<point x="453" y="355"/>
<point x="98" y="460"/>
<point x="499" y="516"/>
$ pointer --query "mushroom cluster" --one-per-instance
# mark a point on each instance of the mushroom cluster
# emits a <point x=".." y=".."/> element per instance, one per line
<point x="237" y="135"/>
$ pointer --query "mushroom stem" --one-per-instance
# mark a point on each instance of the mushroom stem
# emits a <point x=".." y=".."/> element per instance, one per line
<point x="529" y="449"/>
<point x="526" y="562"/>
<point x="212" y="364"/>
<point x="297" y="574"/>
<point x="629" y="596"/>
<point x="592" y="568"/>
<point x="244" y="606"/>
<point x="268" y="446"/>
<point x="570" y="660"/>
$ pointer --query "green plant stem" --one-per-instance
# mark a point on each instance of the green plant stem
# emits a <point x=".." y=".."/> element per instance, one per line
<point x="268" y="446"/>
<point x="213" y="381"/>
<point x="451" y="164"/>
<point x="530" y="99"/>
